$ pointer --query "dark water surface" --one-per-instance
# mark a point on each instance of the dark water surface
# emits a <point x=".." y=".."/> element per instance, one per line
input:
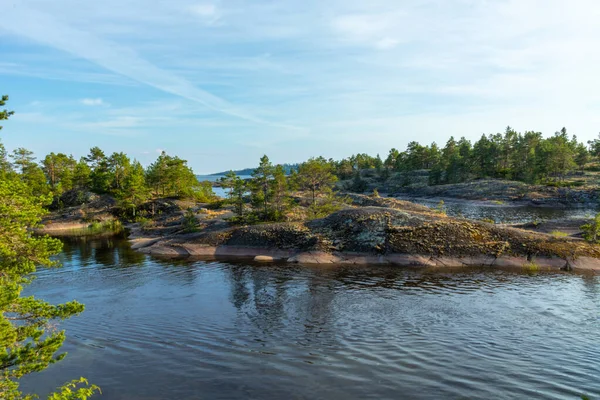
<point x="156" y="329"/>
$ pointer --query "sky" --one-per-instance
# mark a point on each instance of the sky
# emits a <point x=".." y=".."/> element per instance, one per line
<point x="220" y="83"/>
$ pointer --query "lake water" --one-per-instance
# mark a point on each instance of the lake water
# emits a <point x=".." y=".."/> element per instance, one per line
<point x="164" y="329"/>
<point x="219" y="191"/>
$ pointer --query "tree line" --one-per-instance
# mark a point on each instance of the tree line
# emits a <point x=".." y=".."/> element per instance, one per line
<point x="272" y="192"/>
<point x="526" y="157"/>
<point x="115" y="174"/>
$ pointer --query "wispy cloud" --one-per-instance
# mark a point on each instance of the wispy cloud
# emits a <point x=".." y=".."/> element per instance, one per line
<point x="117" y="58"/>
<point x="92" y="102"/>
<point x="359" y="76"/>
<point x="206" y="11"/>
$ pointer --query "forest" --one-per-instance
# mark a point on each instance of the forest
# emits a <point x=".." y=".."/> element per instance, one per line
<point x="268" y="195"/>
<point x="526" y="157"/>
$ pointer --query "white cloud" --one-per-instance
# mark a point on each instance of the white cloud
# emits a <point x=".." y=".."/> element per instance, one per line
<point x="92" y="102"/>
<point x="386" y="43"/>
<point x="204" y="10"/>
<point x="118" y="58"/>
<point x="207" y="12"/>
<point x="344" y="69"/>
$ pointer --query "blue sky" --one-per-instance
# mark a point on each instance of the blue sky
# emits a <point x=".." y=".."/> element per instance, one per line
<point x="221" y="83"/>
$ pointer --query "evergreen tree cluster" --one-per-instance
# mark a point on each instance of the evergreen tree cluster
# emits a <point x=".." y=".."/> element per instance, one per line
<point x="114" y="174"/>
<point x="268" y="196"/>
<point x="526" y="157"/>
<point x="28" y="339"/>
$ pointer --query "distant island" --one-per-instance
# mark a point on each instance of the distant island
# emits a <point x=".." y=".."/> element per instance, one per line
<point x="246" y="171"/>
<point x="288" y="168"/>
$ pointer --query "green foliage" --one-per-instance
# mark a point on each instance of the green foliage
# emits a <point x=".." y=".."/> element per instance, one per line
<point x="441" y="207"/>
<point x="591" y="231"/>
<point x="81" y="175"/>
<point x="78" y="389"/>
<point x="526" y="157"/>
<point x="268" y="192"/>
<point x="29" y="345"/>
<point x="316" y="176"/>
<point x="27" y="342"/>
<point x="171" y="176"/>
<point x="99" y="175"/>
<point x="190" y="222"/>
<point x="359" y="185"/>
<point x="236" y="194"/>
<point x="280" y="188"/>
<point x="325" y="205"/>
<point x="559" y="234"/>
<point x="261" y="192"/>
<point x="531" y="267"/>
<point x="59" y="170"/>
<point x="594" y="146"/>
<point x="4" y="114"/>
<point x="134" y="191"/>
<point x="29" y="172"/>
<point x="204" y="193"/>
<point x="97" y="228"/>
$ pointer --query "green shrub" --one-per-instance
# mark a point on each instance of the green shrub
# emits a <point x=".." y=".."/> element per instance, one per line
<point x="441" y="207"/>
<point x="190" y="223"/>
<point x="591" y="231"/>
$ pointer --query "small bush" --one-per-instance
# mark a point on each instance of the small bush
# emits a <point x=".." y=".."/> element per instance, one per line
<point x="531" y="267"/>
<point x="559" y="234"/>
<point x="217" y="204"/>
<point x="591" y="231"/>
<point x="441" y="207"/>
<point x="190" y="223"/>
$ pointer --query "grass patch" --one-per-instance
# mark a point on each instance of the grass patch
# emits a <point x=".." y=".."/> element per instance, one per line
<point x="531" y="267"/>
<point x="559" y="234"/>
<point x="97" y="228"/>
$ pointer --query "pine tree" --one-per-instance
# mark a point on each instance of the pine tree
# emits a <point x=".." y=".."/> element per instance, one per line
<point x="29" y="346"/>
<point x="316" y="176"/>
<point x="280" y="193"/>
<point x="134" y="191"/>
<point x="237" y="191"/>
<point x="99" y="175"/>
<point x="261" y="186"/>
<point x="81" y="175"/>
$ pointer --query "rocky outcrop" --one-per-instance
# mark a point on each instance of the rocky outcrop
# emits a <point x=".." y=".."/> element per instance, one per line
<point x="384" y="235"/>
<point x="416" y="184"/>
<point x="501" y="190"/>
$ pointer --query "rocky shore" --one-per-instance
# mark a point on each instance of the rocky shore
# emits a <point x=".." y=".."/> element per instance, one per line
<point x="376" y="231"/>
<point x="415" y="185"/>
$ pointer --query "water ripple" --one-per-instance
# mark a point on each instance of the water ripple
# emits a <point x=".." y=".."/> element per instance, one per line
<point x="159" y="329"/>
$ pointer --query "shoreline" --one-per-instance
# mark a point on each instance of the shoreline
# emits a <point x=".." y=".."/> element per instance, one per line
<point x="153" y="247"/>
<point x="368" y="230"/>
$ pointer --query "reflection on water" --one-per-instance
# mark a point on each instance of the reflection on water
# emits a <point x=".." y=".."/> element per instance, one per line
<point x="164" y="329"/>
